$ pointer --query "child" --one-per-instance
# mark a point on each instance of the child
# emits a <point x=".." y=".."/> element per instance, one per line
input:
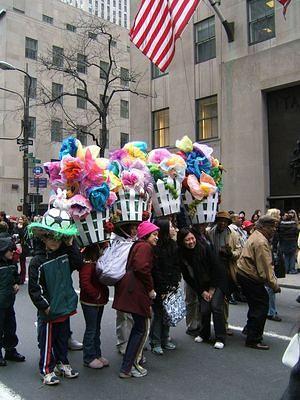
<point x="51" y="291"/>
<point x="8" y="288"/>
<point x="93" y="297"/>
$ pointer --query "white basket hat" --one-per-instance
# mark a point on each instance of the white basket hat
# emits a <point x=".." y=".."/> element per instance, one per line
<point x="129" y="206"/>
<point x="203" y="211"/>
<point x="91" y="229"/>
<point x="163" y="201"/>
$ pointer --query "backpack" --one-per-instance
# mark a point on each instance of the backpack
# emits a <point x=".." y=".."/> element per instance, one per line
<point x="111" y="267"/>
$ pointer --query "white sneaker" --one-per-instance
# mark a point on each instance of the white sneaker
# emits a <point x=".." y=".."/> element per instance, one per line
<point x="138" y="373"/>
<point x="66" y="371"/>
<point x="50" y="379"/>
<point x="198" y="339"/>
<point x="74" y="345"/>
<point x="219" y="345"/>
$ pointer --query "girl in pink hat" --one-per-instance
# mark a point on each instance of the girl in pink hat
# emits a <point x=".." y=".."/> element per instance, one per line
<point x="134" y="294"/>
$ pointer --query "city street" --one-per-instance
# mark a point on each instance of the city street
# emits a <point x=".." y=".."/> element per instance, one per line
<point x="192" y="371"/>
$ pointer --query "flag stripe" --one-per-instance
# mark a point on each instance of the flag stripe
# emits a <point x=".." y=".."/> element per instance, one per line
<point x="157" y="26"/>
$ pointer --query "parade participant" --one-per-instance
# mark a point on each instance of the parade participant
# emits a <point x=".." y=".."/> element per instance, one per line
<point x="207" y="277"/>
<point x="9" y="280"/>
<point x="51" y="291"/>
<point x="21" y="231"/>
<point x="237" y="227"/>
<point x="242" y="215"/>
<point x="255" y="270"/>
<point x="93" y="297"/>
<point x="248" y="227"/>
<point x="166" y="277"/>
<point x="228" y="249"/>
<point x="134" y="294"/>
<point x="288" y="237"/>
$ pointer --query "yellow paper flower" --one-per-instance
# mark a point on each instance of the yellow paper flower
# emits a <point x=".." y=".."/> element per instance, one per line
<point x="135" y="152"/>
<point x="102" y="162"/>
<point x="115" y="183"/>
<point x="82" y="150"/>
<point x="185" y="144"/>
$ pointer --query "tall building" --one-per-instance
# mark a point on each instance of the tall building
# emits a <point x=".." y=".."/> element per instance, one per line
<point x="115" y="11"/>
<point x="29" y="32"/>
<point x="241" y="97"/>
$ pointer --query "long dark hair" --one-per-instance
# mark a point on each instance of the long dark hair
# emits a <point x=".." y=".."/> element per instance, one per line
<point x="164" y="230"/>
<point x="183" y="232"/>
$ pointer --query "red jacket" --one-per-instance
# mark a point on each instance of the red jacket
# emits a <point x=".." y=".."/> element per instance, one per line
<point x="91" y="290"/>
<point x="132" y="291"/>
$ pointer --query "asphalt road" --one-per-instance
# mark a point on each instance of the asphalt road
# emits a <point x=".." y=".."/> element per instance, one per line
<point x="192" y="371"/>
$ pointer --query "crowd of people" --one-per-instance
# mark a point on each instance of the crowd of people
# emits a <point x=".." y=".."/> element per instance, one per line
<point x="233" y="259"/>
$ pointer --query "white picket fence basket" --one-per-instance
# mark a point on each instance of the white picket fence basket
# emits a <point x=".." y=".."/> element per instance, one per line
<point x="91" y="229"/>
<point x="130" y="206"/>
<point x="163" y="201"/>
<point x="205" y="211"/>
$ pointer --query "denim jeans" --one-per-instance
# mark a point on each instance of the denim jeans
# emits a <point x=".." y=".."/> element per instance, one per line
<point x="290" y="261"/>
<point x="193" y="317"/>
<point x="159" y="332"/>
<point x="272" y="302"/>
<point x="137" y="339"/>
<point x="91" y="338"/>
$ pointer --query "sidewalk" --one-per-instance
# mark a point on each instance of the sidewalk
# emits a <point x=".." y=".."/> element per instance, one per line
<point x="290" y="281"/>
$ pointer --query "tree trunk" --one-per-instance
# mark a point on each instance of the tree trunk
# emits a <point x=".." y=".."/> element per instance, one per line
<point x="103" y="136"/>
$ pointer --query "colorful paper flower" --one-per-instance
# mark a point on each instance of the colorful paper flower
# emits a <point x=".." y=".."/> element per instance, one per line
<point x="80" y="207"/>
<point x="197" y="163"/>
<point x="98" y="196"/>
<point x="69" y="147"/>
<point x="156" y="156"/>
<point x="52" y="169"/>
<point x="174" y="166"/>
<point x="72" y="169"/>
<point x="93" y="174"/>
<point x="185" y="144"/>
<point x="81" y="151"/>
<point x="112" y="198"/>
<point x="133" y="179"/>
<point x="201" y="189"/>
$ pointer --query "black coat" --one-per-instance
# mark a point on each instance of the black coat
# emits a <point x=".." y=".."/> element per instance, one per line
<point x="166" y="270"/>
<point x="8" y="278"/>
<point x="201" y="269"/>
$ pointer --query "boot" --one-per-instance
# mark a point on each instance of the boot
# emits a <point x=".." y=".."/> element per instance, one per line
<point x="13" y="355"/>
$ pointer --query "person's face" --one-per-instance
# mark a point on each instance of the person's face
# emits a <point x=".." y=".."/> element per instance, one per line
<point x="222" y="224"/>
<point x="51" y="243"/>
<point x="20" y="220"/>
<point x="242" y="216"/>
<point x="173" y="231"/>
<point x="271" y="230"/>
<point x="189" y="241"/>
<point x="291" y="216"/>
<point x="133" y="230"/>
<point x="153" y="238"/>
<point x="255" y="217"/>
<point x="9" y="254"/>
<point x="238" y="221"/>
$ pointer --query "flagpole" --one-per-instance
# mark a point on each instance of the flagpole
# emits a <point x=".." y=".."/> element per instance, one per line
<point x="228" y="26"/>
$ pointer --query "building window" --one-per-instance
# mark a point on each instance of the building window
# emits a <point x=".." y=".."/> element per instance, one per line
<point x="47" y="19"/>
<point x="207" y="118"/>
<point x="124" y="109"/>
<point x="57" y="90"/>
<point x="32" y="127"/>
<point x="81" y="63"/>
<point x="81" y="102"/>
<point x="104" y="66"/>
<point x="56" y="130"/>
<point x="124" y="138"/>
<point x="160" y="123"/>
<point x="71" y="28"/>
<point x="32" y="92"/>
<point x="124" y="77"/>
<point x="92" y="35"/>
<point x="31" y="48"/>
<point x="57" y="56"/>
<point x="81" y="134"/>
<point x="125" y="22"/>
<point x="156" y="72"/>
<point x="261" y="20"/>
<point x="205" y="40"/>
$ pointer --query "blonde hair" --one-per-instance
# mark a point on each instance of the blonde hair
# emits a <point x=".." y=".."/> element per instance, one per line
<point x="274" y="213"/>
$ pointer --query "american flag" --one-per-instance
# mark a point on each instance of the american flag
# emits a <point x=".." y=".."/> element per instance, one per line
<point x="157" y="26"/>
<point x="285" y="4"/>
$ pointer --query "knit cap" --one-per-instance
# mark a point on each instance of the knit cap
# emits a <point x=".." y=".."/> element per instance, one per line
<point x="145" y="228"/>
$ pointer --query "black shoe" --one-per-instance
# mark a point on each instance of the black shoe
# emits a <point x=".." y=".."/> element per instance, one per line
<point x="258" y="346"/>
<point x="194" y="332"/>
<point x="13" y="355"/>
<point x="298" y="299"/>
<point x="274" y="318"/>
<point x="2" y="361"/>
<point x="245" y="330"/>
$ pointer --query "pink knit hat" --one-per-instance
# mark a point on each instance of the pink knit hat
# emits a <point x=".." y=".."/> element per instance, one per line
<point x="145" y="228"/>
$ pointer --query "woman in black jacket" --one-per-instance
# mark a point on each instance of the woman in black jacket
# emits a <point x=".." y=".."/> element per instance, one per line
<point x="201" y="271"/>
<point x="166" y="277"/>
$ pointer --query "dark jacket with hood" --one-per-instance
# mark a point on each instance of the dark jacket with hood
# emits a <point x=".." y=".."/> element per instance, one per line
<point x="50" y="283"/>
<point x="8" y="275"/>
<point x="201" y="270"/>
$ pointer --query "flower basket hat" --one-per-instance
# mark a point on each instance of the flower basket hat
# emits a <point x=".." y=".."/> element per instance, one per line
<point x="130" y="180"/>
<point x="203" y="181"/>
<point x="168" y="171"/>
<point x="85" y="178"/>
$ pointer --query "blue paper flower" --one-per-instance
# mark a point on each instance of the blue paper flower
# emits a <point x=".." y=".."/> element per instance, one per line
<point x="140" y="145"/>
<point x="68" y="147"/>
<point x="98" y="196"/>
<point x="197" y="163"/>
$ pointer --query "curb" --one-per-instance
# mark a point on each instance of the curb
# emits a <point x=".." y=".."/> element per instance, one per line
<point x="287" y="286"/>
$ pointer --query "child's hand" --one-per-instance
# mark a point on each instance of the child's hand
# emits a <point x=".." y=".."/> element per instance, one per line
<point x="16" y="288"/>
